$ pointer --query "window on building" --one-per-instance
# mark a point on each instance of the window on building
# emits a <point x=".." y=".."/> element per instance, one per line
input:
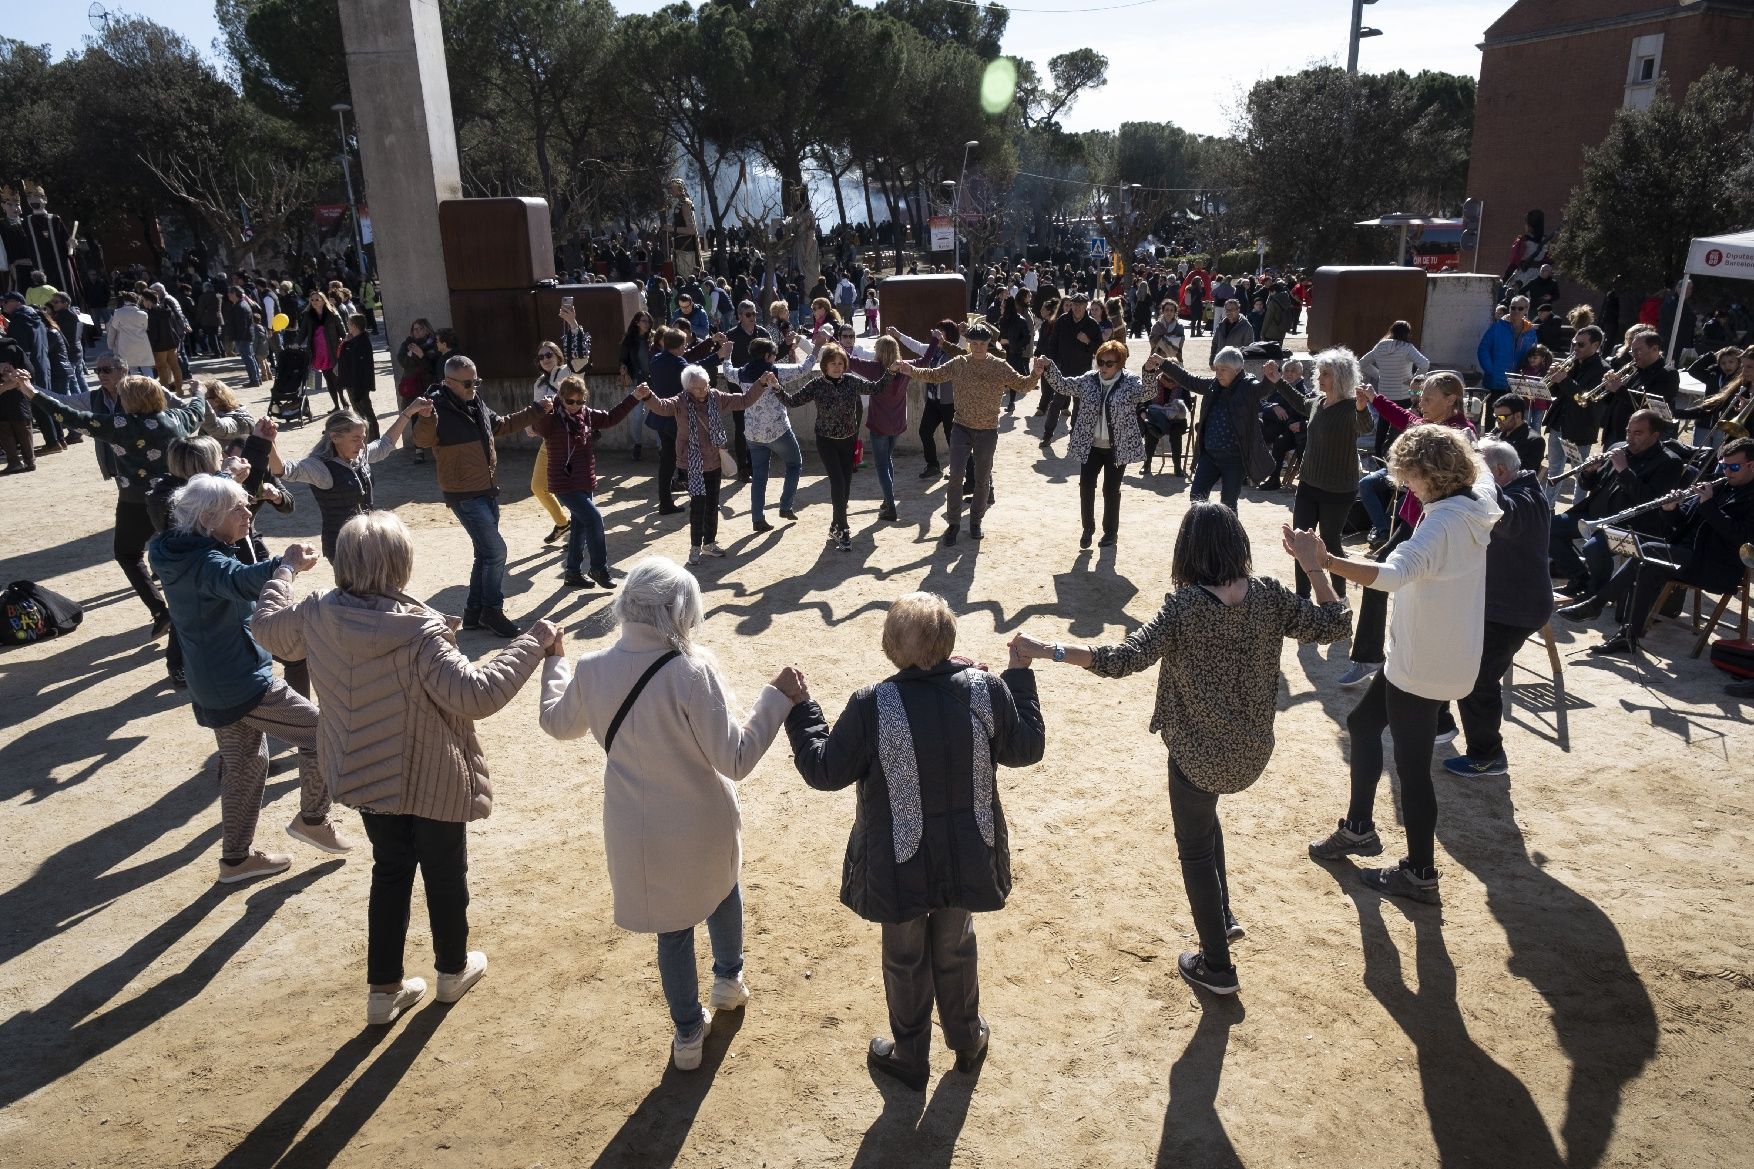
<point x="1644" y="64"/>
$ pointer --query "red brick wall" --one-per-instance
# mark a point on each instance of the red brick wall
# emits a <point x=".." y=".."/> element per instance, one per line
<point x="1544" y="105"/>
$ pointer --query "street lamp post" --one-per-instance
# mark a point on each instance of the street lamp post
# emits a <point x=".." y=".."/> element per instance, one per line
<point x="341" y="109"/>
<point x="956" y="221"/>
<point x="1359" y="32"/>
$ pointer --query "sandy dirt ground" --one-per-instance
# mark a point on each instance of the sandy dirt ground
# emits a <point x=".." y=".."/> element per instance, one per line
<point x="1582" y="998"/>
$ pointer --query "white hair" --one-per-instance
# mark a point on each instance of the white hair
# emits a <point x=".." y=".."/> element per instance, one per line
<point x="661" y="593"/>
<point x="456" y="363"/>
<point x="1289" y="368"/>
<point x="1500" y="455"/>
<point x="1344" y="366"/>
<point x="204" y="501"/>
<point x="1229" y="355"/>
<point x="694" y="375"/>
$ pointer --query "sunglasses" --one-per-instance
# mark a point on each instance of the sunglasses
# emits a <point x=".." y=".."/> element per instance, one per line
<point x="107" y="368"/>
<point x="1731" y="468"/>
<point x="545" y="357"/>
<point x="465" y="381"/>
<point x="1500" y="417"/>
<point x="1107" y="364"/>
<point x="573" y="401"/>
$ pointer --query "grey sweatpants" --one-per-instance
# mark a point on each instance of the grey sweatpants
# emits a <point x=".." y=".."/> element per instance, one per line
<point x="243" y="764"/>
<point x="963" y="442"/>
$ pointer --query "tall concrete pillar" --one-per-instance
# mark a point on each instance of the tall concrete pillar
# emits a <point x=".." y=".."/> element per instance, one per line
<point x="408" y="149"/>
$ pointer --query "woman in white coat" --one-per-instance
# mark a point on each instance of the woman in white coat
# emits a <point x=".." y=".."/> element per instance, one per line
<point x="672" y="833"/>
<point x="126" y="336"/>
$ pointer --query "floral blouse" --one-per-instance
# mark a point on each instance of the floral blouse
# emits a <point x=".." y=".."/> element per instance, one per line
<point x="138" y="441"/>
<point x="838" y="410"/>
<point x="1218" y="686"/>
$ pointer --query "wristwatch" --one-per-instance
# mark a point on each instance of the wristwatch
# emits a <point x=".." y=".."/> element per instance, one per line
<point x="1059" y="652"/>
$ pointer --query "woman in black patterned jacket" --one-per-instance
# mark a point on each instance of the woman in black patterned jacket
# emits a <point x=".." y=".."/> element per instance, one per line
<point x="928" y="844"/>
<point x="1218" y="638"/>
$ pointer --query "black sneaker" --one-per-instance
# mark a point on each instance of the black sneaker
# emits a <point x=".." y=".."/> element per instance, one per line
<point x="179" y="680"/>
<point x="161" y="625"/>
<point x="471" y="618"/>
<point x="1084" y="540"/>
<point x="1343" y="842"/>
<point x="887" y="513"/>
<point x="762" y="526"/>
<point x="949" y="535"/>
<point x="602" y="577"/>
<point x="1617" y="645"/>
<point x="1193" y="968"/>
<point x="1107" y="541"/>
<point x="931" y="472"/>
<point x="1400" y="882"/>
<point x="787" y="513"/>
<point x="556" y="532"/>
<point x="495" y="620"/>
<point x="974" y="530"/>
<point x="574" y="580"/>
<point x="845" y="541"/>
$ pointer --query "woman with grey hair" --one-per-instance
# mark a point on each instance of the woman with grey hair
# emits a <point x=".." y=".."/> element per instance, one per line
<point x="1229" y="448"/>
<point x="338" y="469"/>
<point x="1327" y="481"/>
<point x="1218" y="638"/>
<point x="397" y="740"/>
<point x="928" y="846"/>
<point x="212" y="594"/>
<point x="672" y="833"/>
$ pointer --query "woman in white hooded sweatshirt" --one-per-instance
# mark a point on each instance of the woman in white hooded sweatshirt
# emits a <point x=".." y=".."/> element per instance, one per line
<point x="1438" y="577"/>
<point x="674" y="750"/>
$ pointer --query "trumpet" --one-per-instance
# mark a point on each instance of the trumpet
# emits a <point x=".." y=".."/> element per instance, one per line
<point x="1588" y="464"/>
<point x="1734" y="426"/>
<point x="1601" y="392"/>
<point x="1562" y="369"/>
<point x="1619" y="518"/>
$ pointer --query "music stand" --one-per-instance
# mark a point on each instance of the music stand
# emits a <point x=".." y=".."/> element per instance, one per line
<point x="1625" y="542"/>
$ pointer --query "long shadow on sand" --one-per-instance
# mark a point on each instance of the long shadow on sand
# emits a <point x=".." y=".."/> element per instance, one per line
<point x="1192" y="1132"/>
<point x="652" y="1138"/>
<point x="904" y="1137"/>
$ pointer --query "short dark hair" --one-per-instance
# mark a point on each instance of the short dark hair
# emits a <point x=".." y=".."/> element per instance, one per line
<point x="1515" y="403"/>
<point x="979" y="333"/>
<point x="761" y="349"/>
<point x="1592" y="332"/>
<point x="1737" y="446"/>
<point x="1211" y="549"/>
<point x="1401" y="331"/>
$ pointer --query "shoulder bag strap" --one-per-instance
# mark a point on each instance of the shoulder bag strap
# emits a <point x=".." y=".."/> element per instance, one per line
<point x="627" y="703"/>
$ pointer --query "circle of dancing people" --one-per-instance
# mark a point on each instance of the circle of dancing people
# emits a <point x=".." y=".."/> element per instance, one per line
<point x="380" y="702"/>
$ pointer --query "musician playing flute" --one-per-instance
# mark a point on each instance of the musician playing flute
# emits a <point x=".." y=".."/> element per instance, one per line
<point x="1706" y="529"/>
<point x="1637" y="472"/>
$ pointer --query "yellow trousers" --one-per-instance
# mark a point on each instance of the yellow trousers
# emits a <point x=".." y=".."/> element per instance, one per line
<point x="539" y="486"/>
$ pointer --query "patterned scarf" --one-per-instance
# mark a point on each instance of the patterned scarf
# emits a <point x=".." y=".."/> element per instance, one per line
<point x="715" y="432"/>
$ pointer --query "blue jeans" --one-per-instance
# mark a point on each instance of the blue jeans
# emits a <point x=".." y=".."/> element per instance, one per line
<point x="586" y="535"/>
<point x="480" y="518"/>
<point x="1556" y="460"/>
<point x="1209" y="469"/>
<point x="676" y="970"/>
<point x="1375" y="492"/>
<point x="250" y="367"/>
<point x="883" y="450"/>
<point x="787" y="448"/>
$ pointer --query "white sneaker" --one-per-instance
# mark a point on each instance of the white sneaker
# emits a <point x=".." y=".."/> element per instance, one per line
<point x="686" y="1052"/>
<point x="729" y="994"/>
<point x="1360" y="672"/>
<point x="452" y="987"/>
<point x="383" y="1007"/>
<point x="712" y="550"/>
<point x="694" y="555"/>
<point x="324" y="836"/>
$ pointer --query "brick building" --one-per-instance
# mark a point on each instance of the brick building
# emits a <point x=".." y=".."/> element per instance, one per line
<point x="1552" y="75"/>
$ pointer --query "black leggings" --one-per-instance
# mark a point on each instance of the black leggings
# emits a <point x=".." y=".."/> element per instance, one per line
<point x="703" y="512"/>
<point x="133" y="531"/>
<point x="837" y="461"/>
<point x="1371" y="629"/>
<point x="1101" y="462"/>
<point x="361" y="401"/>
<point x="1412" y="723"/>
<point x="937" y="415"/>
<point x="1199" y="844"/>
<point x="439" y="849"/>
<point x="1327" y="511"/>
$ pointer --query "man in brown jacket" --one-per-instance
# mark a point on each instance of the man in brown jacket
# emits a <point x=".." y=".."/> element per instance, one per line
<point x="460" y="431"/>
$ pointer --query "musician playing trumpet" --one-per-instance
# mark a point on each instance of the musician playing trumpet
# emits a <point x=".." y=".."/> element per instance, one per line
<point x="1705" y="527"/>
<point x="1635" y="472"/>
<point x="1629" y="388"/>
<point x="1567" y="420"/>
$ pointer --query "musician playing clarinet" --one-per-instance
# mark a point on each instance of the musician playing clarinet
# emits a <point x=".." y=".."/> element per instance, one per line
<point x="1637" y="472"/>
<point x="1648" y="373"/>
<point x="1705" y="533"/>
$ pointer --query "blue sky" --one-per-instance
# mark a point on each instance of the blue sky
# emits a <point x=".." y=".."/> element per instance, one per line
<point x="1185" y="61"/>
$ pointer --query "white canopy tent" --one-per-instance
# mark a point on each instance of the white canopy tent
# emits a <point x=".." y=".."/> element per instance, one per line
<point x="1729" y="257"/>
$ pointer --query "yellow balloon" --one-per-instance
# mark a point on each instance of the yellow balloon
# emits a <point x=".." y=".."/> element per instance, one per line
<point x="280" y="321"/>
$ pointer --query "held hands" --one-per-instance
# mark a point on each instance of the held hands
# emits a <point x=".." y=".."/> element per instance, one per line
<point x="265" y="428"/>
<point x="1305" y="546"/>
<point x="419" y="408"/>
<point x="546" y="633"/>
<point x="238" y="469"/>
<point x="1024" y="648"/>
<point x="1365" y="396"/>
<point x="790" y="682"/>
<point x="1040" y="364"/>
<point x="1153" y="363"/>
<point x="642" y="391"/>
<point x="300" y="557"/>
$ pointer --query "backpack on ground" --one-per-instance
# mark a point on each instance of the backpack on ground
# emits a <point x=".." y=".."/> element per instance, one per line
<point x="29" y="612"/>
<point x="1734" y="657"/>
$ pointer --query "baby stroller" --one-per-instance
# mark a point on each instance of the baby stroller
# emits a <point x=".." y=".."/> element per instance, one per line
<point x="286" y="401"/>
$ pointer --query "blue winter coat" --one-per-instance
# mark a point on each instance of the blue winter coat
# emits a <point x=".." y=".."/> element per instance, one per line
<point x="212" y="596"/>
<point x="1502" y="351"/>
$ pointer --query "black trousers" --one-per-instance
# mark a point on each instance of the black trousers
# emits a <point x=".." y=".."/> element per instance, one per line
<point x="1057" y="405"/>
<point x="1327" y="511"/>
<point x="1370" y="633"/>
<point x="1199" y="845"/>
<point x="666" y="472"/>
<point x="926" y="960"/>
<point x="1174" y="429"/>
<point x="703" y="512"/>
<point x="740" y="446"/>
<point x="1100" y="462"/>
<point x="361" y="400"/>
<point x="20" y="444"/>
<point x="1412" y="724"/>
<point x="133" y="531"/>
<point x="837" y="463"/>
<point x="1482" y="711"/>
<point x="938" y="415"/>
<point x="1385" y="434"/>
<point x="400" y="844"/>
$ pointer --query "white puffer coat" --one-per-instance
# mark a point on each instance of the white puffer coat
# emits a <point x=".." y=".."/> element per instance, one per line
<point x="398" y="700"/>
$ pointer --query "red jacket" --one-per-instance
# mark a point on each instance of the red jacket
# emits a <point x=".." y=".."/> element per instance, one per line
<point x="572" y="443"/>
